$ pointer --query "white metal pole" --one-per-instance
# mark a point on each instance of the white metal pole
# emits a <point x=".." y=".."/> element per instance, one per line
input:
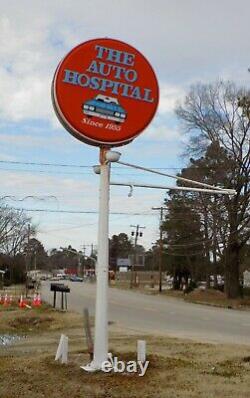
<point x="101" y="310"/>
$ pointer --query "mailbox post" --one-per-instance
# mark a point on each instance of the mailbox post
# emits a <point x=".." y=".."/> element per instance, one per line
<point x="63" y="289"/>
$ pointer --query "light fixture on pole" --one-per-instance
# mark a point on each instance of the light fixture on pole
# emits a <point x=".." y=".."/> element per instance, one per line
<point x="112" y="156"/>
<point x="97" y="169"/>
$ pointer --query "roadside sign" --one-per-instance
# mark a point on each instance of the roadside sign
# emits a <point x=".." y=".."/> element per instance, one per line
<point x="105" y="92"/>
<point x="123" y="269"/>
<point x="123" y="262"/>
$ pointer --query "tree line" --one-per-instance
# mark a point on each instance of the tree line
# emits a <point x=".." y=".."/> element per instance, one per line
<point x="211" y="232"/>
<point x="204" y="234"/>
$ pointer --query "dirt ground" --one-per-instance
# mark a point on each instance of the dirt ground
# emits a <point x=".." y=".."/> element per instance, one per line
<point x="178" y="368"/>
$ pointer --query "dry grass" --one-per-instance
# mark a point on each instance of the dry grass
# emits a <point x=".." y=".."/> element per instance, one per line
<point x="208" y="297"/>
<point x="35" y="320"/>
<point x="14" y="290"/>
<point x="178" y="368"/>
<point x="217" y="298"/>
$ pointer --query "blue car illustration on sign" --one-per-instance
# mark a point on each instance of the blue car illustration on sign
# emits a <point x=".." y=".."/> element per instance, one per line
<point x="105" y="108"/>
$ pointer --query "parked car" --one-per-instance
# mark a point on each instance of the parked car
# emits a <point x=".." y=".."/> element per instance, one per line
<point x="75" y="278"/>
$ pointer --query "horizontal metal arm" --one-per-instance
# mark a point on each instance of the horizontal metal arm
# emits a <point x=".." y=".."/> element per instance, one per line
<point x="202" y="184"/>
<point x="192" y="189"/>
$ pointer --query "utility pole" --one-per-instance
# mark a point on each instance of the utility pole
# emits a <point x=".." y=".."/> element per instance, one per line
<point x="91" y="246"/>
<point x="84" y="247"/>
<point x="160" y="245"/>
<point x="79" y="261"/>
<point x="79" y="265"/>
<point x="136" y="234"/>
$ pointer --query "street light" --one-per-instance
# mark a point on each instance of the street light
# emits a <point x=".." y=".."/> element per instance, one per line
<point x="113" y="156"/>
<point x="97" y="169"/>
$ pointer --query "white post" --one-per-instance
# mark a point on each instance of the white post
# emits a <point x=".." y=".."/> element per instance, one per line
<point x="141" y="351"/>
<point x="101" y="309"/>
<point x="59" y="349"/>
<point x="62" y="350"/>
<point x="64" y="358"/>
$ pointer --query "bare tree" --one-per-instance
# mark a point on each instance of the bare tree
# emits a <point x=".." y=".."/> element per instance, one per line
<point x="214" y="113"/>
<point x="14" y="230"/>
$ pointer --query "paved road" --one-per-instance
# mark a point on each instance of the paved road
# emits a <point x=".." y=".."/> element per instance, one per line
<point x="161" y="315"/>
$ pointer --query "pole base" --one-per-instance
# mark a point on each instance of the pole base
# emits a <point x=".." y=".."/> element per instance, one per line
<point x="94" y="367"/>
<point x="90" y="367"/>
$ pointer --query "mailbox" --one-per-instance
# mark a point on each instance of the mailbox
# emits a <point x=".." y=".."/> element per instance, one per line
<point x="63" y="289"/>
<point x="59" y="287"/>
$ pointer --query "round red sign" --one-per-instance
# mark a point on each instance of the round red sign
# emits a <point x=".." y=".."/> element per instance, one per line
<point x="105" y="92"/>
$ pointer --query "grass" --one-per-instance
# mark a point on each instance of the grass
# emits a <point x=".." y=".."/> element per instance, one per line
<point x="14" y="290"/>
<point x="178" y="368"/>
<point x="217" y="298"/>
<point x="35" y="320"/>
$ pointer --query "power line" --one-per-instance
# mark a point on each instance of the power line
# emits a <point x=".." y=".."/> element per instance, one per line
<point x="80" y="166"/>
<point x="78" y="173"/>
<point x="70" y="165"/>
<point x="43" y="164"/>
<point x="81" y="212"/>
<point x="48" y="231"/>
<point x="42" y="231"/>
<point x="42" y="198"/>
<point x="47" y="171"/>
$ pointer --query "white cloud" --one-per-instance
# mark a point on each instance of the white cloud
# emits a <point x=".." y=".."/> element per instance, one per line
<point x="6" y="157"/>
<point x="169" y="96"/>
<point x="161" y="131"/>
<point x="35" y="140"/>
<point x="27" y="62"/>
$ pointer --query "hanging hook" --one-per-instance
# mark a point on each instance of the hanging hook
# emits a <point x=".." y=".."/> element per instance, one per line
<point x="131" y="191"/>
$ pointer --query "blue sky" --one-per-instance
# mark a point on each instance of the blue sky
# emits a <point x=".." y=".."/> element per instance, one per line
<point x="186" y="41"/>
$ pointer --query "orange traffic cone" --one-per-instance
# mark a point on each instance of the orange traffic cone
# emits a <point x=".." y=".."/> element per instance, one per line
<point x="21" y="302"/>
<point x="38" y="301"/>
<point x="34" y="301"/>
<point x="1" y="299"/>
<point x="6" y="300"/>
